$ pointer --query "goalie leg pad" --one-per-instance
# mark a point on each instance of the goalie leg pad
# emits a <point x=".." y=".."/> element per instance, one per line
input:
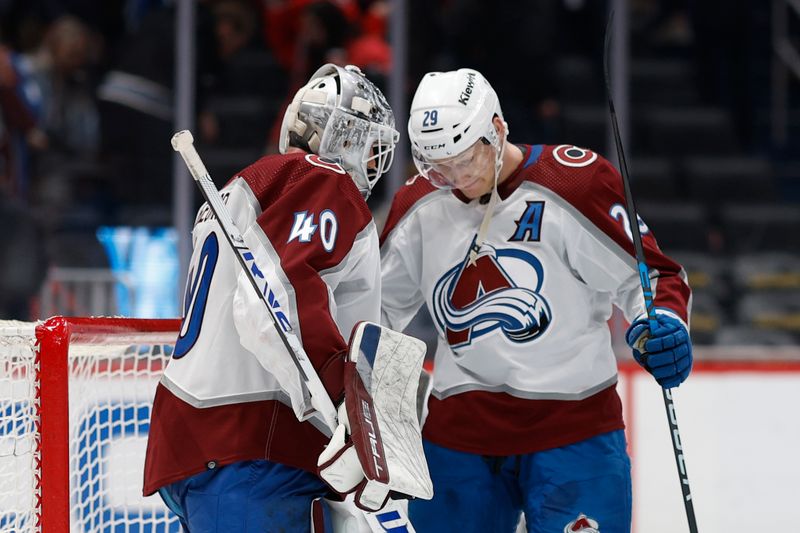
<point x="329" y="516"/>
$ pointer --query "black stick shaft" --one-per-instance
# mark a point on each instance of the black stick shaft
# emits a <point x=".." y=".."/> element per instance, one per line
<point x="644" y="279"/>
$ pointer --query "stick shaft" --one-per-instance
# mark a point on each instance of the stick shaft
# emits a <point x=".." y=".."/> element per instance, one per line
<point x="647" y="292"/>
<point x="320" y="400"/>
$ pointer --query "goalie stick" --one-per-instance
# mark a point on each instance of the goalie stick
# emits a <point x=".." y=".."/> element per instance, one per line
<point x="183" y="143"/>
<point x="644" y="279"/>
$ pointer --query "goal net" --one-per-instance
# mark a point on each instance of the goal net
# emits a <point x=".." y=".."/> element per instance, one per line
<point x="75" y="399"/>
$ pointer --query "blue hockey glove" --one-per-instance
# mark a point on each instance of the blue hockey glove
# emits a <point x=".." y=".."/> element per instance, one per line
<point x="665" y="352"/>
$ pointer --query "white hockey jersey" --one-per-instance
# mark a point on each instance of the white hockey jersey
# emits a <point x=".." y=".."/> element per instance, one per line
<point x="524" y="359"/>
<point x="225" y="394"/>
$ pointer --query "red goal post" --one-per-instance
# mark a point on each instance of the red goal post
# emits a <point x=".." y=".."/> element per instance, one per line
<point x="75" y="398"/>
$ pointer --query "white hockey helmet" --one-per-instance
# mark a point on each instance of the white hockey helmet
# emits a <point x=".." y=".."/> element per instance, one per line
<point x="452" y="112"/>
<point x="339" y="114"/>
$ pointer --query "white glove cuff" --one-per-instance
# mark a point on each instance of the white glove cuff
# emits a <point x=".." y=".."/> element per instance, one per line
<point x="372" y="496"/>
<point x="339" y="465"/>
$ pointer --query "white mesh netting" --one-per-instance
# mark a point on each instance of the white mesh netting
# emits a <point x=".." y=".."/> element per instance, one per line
<point x="111" y="386"/>
<point x="17" y="427"/>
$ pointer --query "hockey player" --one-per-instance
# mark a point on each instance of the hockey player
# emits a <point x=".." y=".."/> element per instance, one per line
<point x="519" y="252"/>
<point x="226" y="449"/>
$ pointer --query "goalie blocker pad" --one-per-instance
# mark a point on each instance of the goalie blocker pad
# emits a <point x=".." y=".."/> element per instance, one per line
<point x="380" y="413"/>
<point x="389" y="364"/>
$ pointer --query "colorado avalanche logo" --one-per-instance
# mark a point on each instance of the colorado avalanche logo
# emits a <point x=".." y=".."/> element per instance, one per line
<point x="582" y="524"/>
<point x="472" y="300"/>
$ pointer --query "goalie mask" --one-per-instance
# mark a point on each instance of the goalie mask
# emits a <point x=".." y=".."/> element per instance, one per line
<point x="450" y="126"/>
<point x="339" y="114"/>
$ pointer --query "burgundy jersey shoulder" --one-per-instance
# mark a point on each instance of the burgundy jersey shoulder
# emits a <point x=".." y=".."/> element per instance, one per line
<point x="273" y="176"/>
<point x="592" y="185"/>
<point x="576" y="174"/>
<point x="584" y="179"/>
<point x="412" y="191"/>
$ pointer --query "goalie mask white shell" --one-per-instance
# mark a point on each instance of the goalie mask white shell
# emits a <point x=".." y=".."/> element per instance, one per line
<point x="450" y="112"/>
<point x="341" y="115"/>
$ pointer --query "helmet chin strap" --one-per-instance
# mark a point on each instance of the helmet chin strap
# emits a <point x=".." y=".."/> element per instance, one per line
<point x="487" y="216"/>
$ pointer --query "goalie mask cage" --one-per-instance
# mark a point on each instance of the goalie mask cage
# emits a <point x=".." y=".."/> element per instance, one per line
<point x="75" y="400"/>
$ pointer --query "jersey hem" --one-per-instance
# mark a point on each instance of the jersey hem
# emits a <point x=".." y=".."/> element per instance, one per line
<point x="442" y="440"/>
<point x="153" y="487"/>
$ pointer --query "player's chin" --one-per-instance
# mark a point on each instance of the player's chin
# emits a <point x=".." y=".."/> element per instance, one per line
<point x="474" y="188"/>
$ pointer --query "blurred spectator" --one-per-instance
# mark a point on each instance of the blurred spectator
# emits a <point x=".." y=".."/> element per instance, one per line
<point x="323" y="35"/>
<point x="22" y="261"/>
<point x="369" y="48"/>
<point x="301" y="32"/>
<point x="136" y="109"/>
<point x="234" y="26"/>
<point x="240" y="67"/>
<point x="20" y="111"/>
<point x="60" y="68"/>
<point x="304" y="34"/>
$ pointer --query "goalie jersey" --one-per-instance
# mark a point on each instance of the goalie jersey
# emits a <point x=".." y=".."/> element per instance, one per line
<point x="524" y="360"/>
<point x="227" y="393"/>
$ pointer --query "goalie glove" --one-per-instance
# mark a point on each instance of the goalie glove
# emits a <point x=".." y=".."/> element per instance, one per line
<point x="376" y="450"/>
<point x="340" y="464"/>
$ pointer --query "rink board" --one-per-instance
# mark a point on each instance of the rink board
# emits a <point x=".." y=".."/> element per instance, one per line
<point x="739" y="430"/>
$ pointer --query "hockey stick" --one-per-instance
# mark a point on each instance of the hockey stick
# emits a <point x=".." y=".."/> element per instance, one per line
<point x="644" y="279"/>
<point x="183" y="143"/>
